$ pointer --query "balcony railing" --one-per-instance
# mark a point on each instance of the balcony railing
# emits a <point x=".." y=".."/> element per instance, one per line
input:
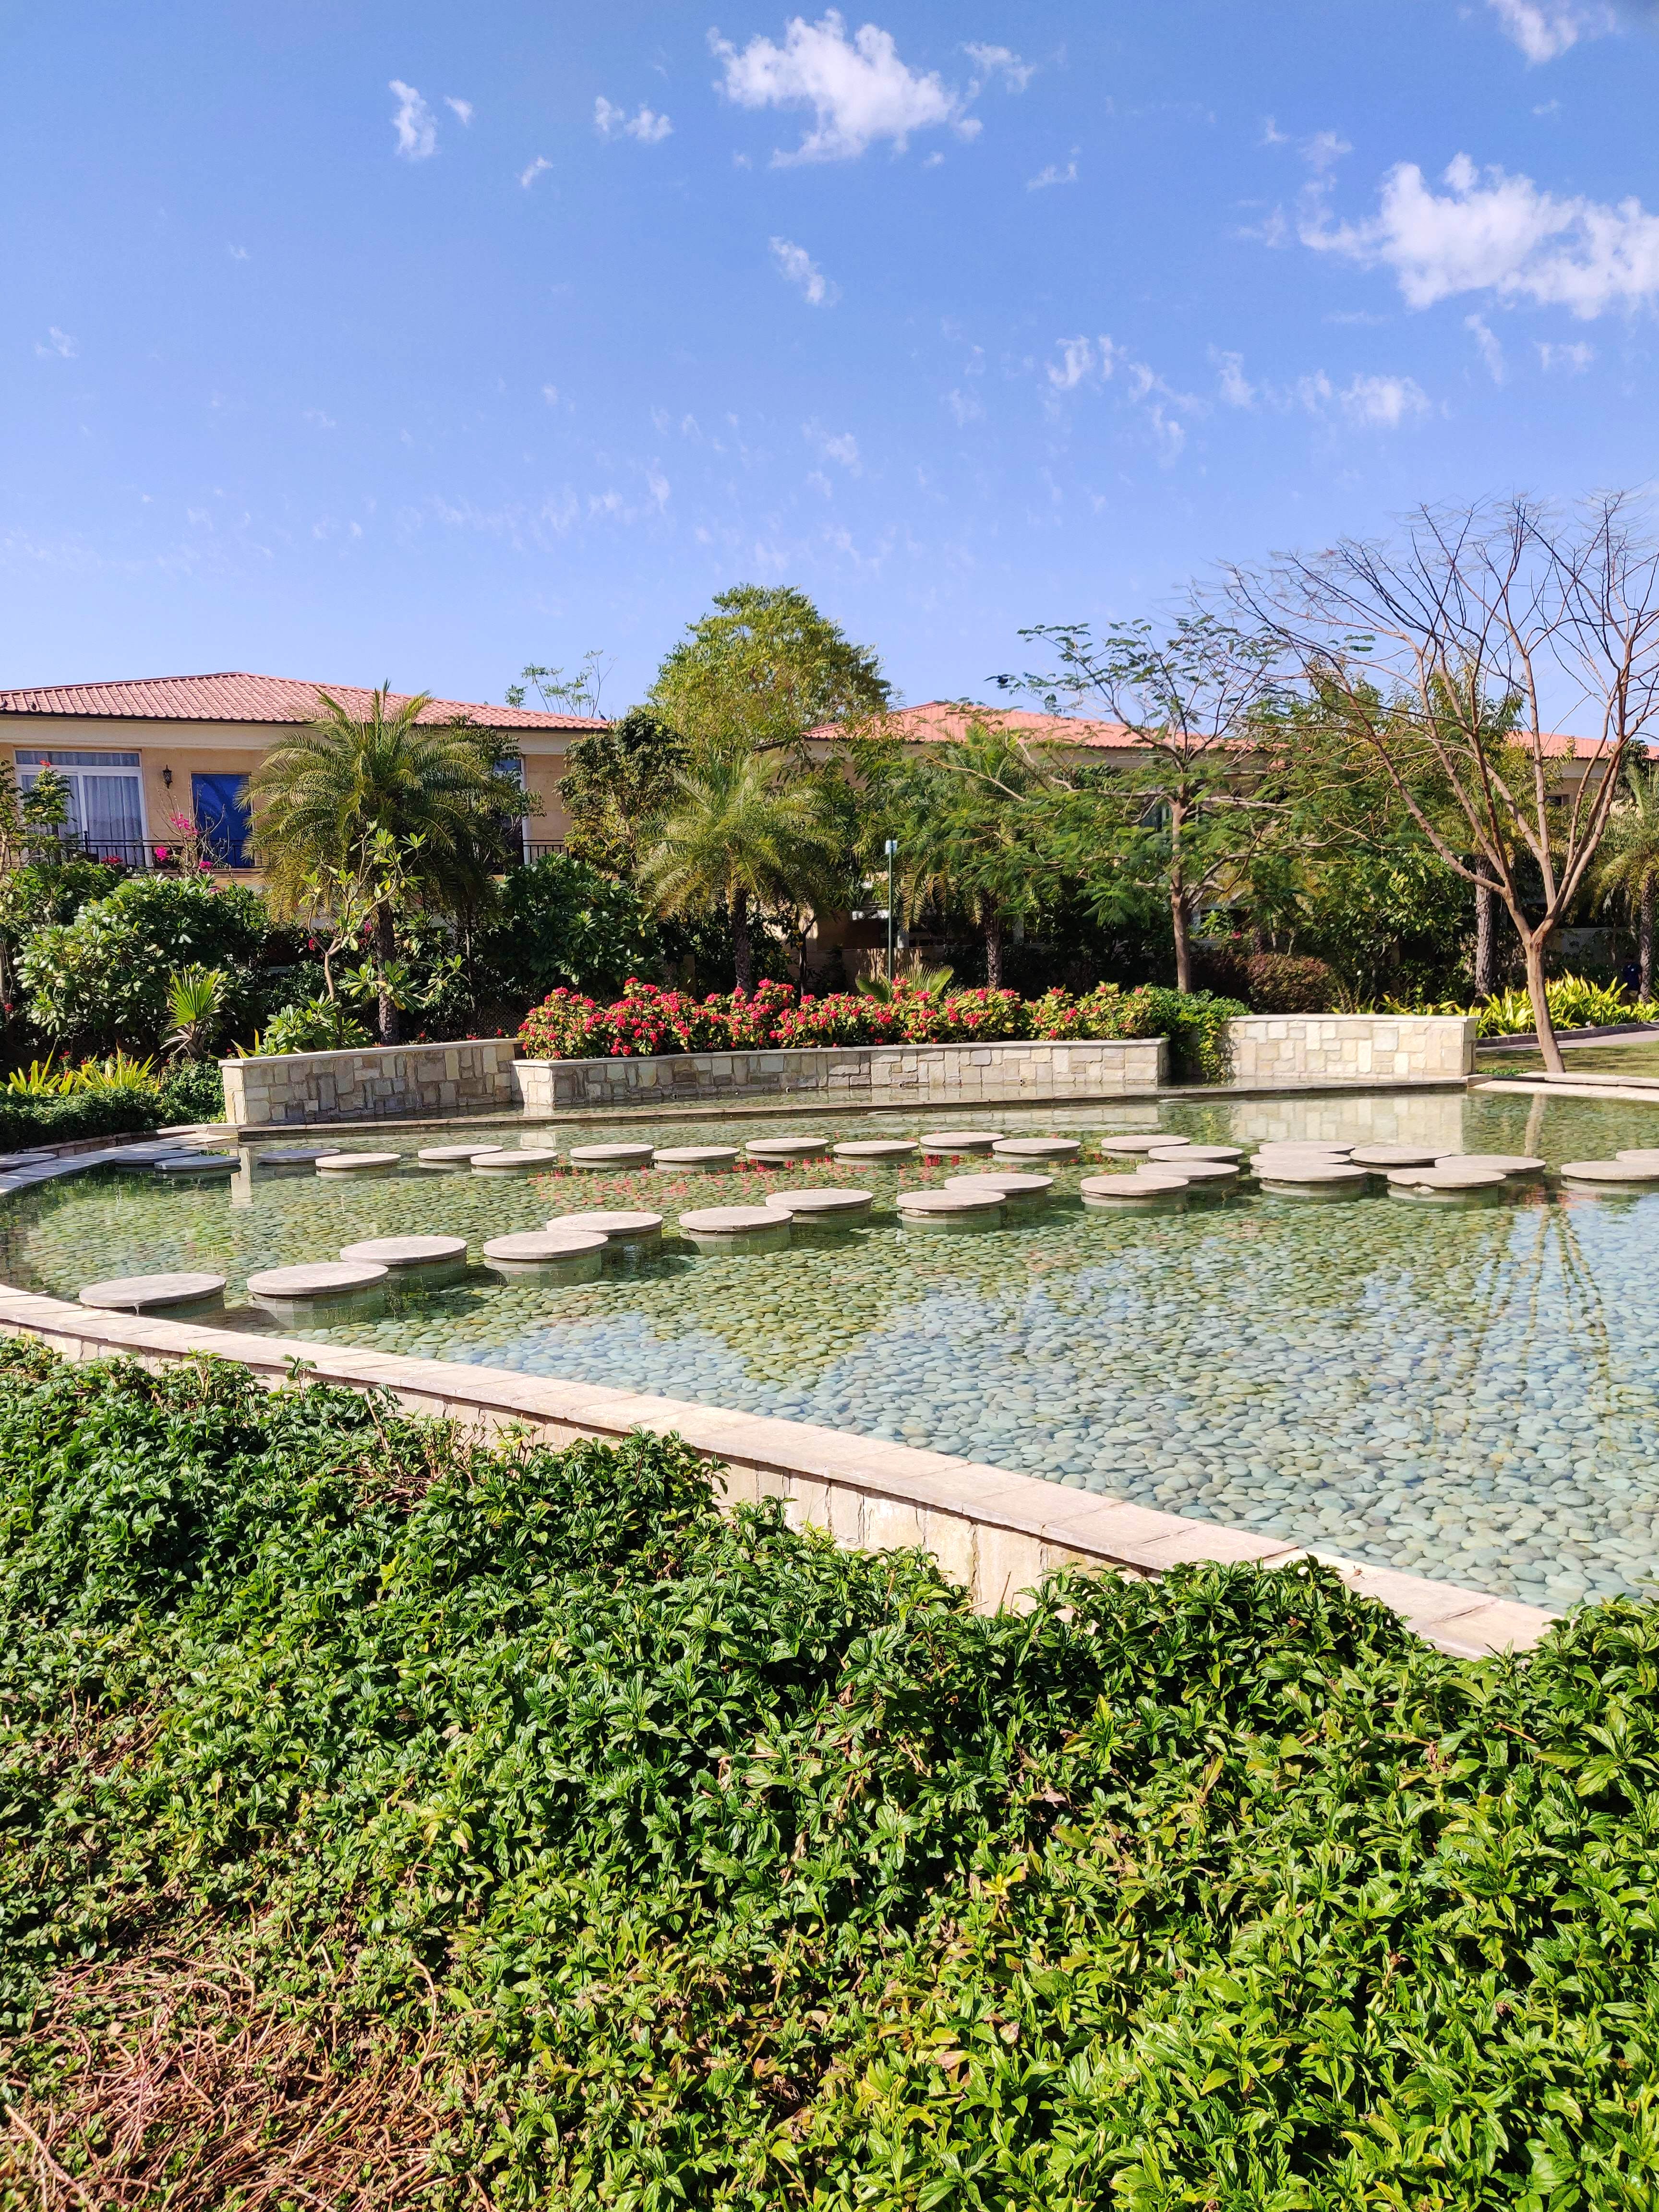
<point x="151" y="854"/>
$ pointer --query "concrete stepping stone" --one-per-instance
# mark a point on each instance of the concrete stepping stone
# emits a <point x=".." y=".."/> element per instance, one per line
<point x="508" y="1162"/>
<point x="1396" y="1155"/>
<point x="452" y="1160"/>
<point x="359" y="1164"/>
<point x="787" y="1148"/>
<point x="1015" y="1189"/>
<point x="708" y="1159"/>
<point x="329" y="1287"/>
<point x="1143" y="1147"/>
<point x="1178" y="1154"/>
<point x="611" y="1155"/>
<point x="950" y="1209"/>
<point x="182" y="1296"/>
<point x="1144" y="1191"/>
<point x="1456" y="1183"/>
<point x="1632" y="1175"/>
<point x="877" y="1150"/>
<point x="829" y="1206"/>
<point x="1210" y="1174"/>
<point x="416" y="1260"/>
<point x="1037" y="1148"/>
<point x="1640" y="1156"/>
<point x="938" y="1144"/>
<point x="546" y="1255"/>
<point x="1311" y="1179"/>
<point x="736" y="1228"/>
<point x="1518" y="1167"/>
<point x="618" y="1229"/>
<point x="287" y="1156"/>
<point x="195" y="1166"/>
<point x="1275" y="1148"/>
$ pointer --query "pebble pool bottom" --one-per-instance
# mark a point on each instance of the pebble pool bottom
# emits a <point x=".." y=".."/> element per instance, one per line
<point x="1471" y="1395"/>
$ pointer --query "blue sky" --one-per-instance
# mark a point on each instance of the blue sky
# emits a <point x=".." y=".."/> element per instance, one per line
<point x="418" y="342"/>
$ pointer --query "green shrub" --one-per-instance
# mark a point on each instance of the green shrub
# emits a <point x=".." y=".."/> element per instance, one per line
<point x="102" y="980"/>
<point x="508" y="1826"/>
<point x="320" y="1024"/>
<point x="563" y="924"/>
<point x="1574" y="1002"/>
<point x="193" y="1092"/>
<point x="27" y="1120"/>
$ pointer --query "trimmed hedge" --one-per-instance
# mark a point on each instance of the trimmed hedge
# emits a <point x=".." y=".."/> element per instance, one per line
<point x="389" y="1819"/>
<point x="194" y="1093"/>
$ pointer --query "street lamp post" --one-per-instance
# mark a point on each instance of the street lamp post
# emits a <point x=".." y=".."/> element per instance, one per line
<point x="892" y="850"/>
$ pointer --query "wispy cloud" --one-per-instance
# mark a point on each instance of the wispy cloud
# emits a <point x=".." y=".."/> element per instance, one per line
<point x="59" y="345"/>
<point x="1485" y="339"/>
<point x="1384" y="402"/>
<point x="842" y="448"/>
<point x="528" y="175"/>
<point x="859" y="91"/>
<point x="1544" y="29"/>
<point x="1376" y="402"/>
<point x="318" y="421"/>
<point x="1002" y="62"/>
<point x="413" y="121"/>
<point x="462" y="109"/>
<point x="1489" y="232"/>
<point x="1054" y="174"/>
<point x="551" y="393"/>
<point x="1575" y="359"/>
<point x="796" y="263"/>
<point x="237" y="252"/>
<point x="964" y="408"/>
<point x="611" y="121"/>
<point x="1081" y="359"/>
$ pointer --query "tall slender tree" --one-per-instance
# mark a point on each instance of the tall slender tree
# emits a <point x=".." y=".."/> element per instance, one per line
<point x="972" y="819"/>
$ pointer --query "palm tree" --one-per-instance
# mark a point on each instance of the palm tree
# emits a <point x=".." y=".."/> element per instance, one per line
<point x="738" y="832"/>
<point x="331" y="801"/>
<point x="1629" y="869"/>
<point x="971" y="821"/>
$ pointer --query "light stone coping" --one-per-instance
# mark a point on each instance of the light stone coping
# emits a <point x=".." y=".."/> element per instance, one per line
<point x="1136" y="1148"/>
<point x="615" y="1228"/>
<point x="409" y="1254"/>
<point x="787" y="1148"/>
<point x="1631" y="1172"/>
<point x="877" y="1149"/>
<point x="544" y="1244"/>
<point x="959" y="1141"/>
<point x="1037" y="1148"/>
<point x="611" y="1155"/>
<point x="1397" y="1156"/>
<point x="996" y="1532"/>
<point x="453" y="1156"/>
<point x="508" y="1162"/>
<point x="322" y="1278"/>
<point x="698" y="1156"/>
<point x="1517" y="1166"/>
<point x="1535" y="1087"/>
<point x="836" y="1204"/>
<point x="346" y="1164"/>
<point x="152" y="1293"/>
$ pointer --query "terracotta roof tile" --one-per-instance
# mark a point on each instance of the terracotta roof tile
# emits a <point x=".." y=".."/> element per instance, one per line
<point x="236" y="697"/>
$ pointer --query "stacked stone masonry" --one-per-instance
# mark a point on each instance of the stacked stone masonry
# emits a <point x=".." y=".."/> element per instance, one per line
<point x="1268" y="1050"/>
<point x="381" y="1084"/>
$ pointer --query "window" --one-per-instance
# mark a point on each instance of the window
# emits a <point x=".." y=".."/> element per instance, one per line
<point x="107" y="809"/>
<point x="219" y="804"/>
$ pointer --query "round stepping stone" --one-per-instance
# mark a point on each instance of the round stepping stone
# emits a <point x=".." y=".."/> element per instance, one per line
<point x="950" y="1209"/>
<point x="1312" y="1179"/>
<point x="359" y="1164"/>
<point x="877" y="1149"/>
<point x="309" y="1294"/>
<point x="1014" y="1190"/>
<point x="546" y="1255"/>
<point x="1148" y="1190"/>
<point x="616" y="1229"/>
<point x="289" y="1156"/>
<point x="1639" y="1156"/>
<point x="828" y="1205"/>
<point x="1218" y="1175"/>
<point x="1178" y="1155"/>
<point x="1455" y="1184"/>
<point x="1629" y="1174"/>
<point x="611" y="1155"/>
<point x="1037" y="1148"/>
<point x="505" y="1162"/>
<point x="1143" y="1147"/>
<point x="413" y="1259"/>
<point x="1396" y="1155"/>
<point x="736" y="1228"/>
<point x="787" y="1148"/>
<point x="706" y="1157"/>
<point x="1516" y="1166"/>
<point x="184" y="1295"/>
<point x="937" y="1143"/>
<point x="452" y="1160"/>
<point x="196" y="1165"/>
<point x="1278" y="1148"/>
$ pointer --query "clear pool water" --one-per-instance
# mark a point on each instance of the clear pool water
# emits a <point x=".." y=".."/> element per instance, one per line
<point x="1471" y="1395"/>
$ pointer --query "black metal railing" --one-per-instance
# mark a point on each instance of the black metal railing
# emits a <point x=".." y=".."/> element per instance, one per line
<point x="138" y="854"/>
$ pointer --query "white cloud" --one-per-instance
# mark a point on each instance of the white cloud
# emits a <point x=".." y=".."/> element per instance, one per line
<point x="417" y="132"/>
<point x="1078" y="360"/>
<point x="1373" y="402"/>
<point x="1490" y="352"/>
<point x="528" y="176"/>
<point x="237" y="252"/>
<point x="1545" y="29"/>
<point x="318" y="421"/>
<point x="1384" y="402"/>
<point x="657" y="485"/>
<point x="648" y="128"/>
<point x="964" y="408"/>
<point x="999" y="61"/>
<point x="1054" y="174"/>
<point x="1237" y="390"/>
<point x="462" y="109"/>
<point x="1493" y="232"/>
<point x="858" y="89"/>
<point x="1575" y="359"/>
<point x="551" y="393"/>
<point x="60" y="344"/>
<point x="842" y="448"/>
<point x="795" y="263"/>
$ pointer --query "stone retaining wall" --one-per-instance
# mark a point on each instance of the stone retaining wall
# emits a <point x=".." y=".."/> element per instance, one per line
<point x="386" y="1082"/>
<point x="996" y="1532"/>
<point x="1271" y="1050"/>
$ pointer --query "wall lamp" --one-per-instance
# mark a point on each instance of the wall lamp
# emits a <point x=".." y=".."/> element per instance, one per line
<point x="167" y="777"/>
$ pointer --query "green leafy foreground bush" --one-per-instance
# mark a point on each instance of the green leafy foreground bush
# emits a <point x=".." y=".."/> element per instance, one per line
<point x="390" y="1820"/>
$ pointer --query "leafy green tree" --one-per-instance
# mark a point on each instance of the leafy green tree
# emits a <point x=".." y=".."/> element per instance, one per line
<point x="740" y="832"/>
<point x="617" y="784"/>
<point x="972" y="824"/>
<point x="1629" y="868"/>
<point x="376" y="809"/>
<point x="562" y="921"/>
<point x="100" y="981"/>
<point x="762" y="668"/>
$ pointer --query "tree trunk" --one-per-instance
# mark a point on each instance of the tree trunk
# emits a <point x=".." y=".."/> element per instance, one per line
<point x="1181" y="921"/>
<point x="1645" y="938"/>
<point x="385" y="952"/>
<point x="1485" y="913"/>
<point x="1534" y="942"/>
<point x="994" y="948"/>
<point x="743" y="955"/>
